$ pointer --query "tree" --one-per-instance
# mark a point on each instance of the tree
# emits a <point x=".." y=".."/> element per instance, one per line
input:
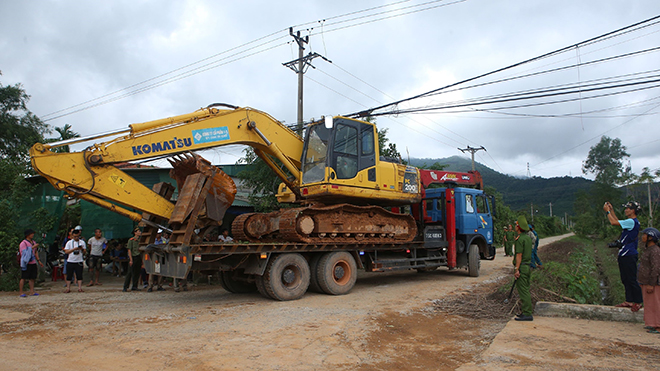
<point x="65" y="133"/>
<point x="19" y="130"/>
<point x="388" y="149"/>
<point x="605" y="160"/>
<point x="261" y="179"/>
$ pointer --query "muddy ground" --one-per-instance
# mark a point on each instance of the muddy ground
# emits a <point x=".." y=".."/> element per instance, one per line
<point x="402" y="320"/>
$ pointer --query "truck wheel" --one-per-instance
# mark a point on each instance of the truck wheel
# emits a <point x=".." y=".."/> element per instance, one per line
<point x="336" y="273"/>
<point x="473" y="260"/>
<point x="232" y="284"/>
<point x="286" y="277"/>
<point x="313" y="270"/>
<point x="261" y="287"/>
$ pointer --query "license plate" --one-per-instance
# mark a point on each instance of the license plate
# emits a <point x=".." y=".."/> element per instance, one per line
<point x="157" y="267"/>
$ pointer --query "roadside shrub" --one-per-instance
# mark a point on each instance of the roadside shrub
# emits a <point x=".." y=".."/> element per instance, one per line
<point x="9" y="280"/>
<point x="577" y="278"/>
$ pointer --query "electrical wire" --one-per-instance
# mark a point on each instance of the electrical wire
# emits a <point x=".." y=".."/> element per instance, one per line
<point x="621" y="31"/>
<point x="217" y="63"/>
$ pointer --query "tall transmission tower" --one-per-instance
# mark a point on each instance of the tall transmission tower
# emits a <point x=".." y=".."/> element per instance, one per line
<point x="529" y="173"/>
<point x="472" y="150"/>
<point x="300" y="66"/>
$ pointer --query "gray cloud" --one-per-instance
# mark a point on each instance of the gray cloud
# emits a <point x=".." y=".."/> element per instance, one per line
<point x="71" y="52"/>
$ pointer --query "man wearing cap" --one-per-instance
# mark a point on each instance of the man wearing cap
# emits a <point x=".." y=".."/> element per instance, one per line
<point x="627" y="257"/>
<point x="29" y="259"/>
<point x="134" y="261"/>
<point x="522" y="272"/>
<point x="97" y="244"/>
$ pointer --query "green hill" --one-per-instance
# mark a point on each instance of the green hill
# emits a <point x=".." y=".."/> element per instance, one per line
<point x="519" y="193"/>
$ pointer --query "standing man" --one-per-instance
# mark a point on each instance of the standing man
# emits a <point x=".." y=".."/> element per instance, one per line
<point x="29" y="259"/>
<point x="74" y="262"/>
<point x="627" y="257"/>
<point x="158" y="241"/>
<point x="536" y="261"/>
<point x="134" y="261"/>
<point x="97" y="246"/>
<point x="522" y="272"/>
<point x="509" y="238"/>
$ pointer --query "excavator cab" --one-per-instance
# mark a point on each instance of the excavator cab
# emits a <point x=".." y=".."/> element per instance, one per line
<point x="340" y="163"/>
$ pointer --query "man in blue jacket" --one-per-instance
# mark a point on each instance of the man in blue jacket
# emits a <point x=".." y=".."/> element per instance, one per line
<point x="627" y="257"/>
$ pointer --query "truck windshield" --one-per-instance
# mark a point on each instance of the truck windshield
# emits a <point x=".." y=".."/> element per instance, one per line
<point x="316" y="149"/>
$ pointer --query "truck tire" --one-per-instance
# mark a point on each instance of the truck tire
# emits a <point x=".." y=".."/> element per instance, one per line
<point x="474" y="260"/>
<point x="313" y="270"/>
<point x="286" y="277"/>
<point x="336" y="273"/>
<point x="232" y="284"/>
<point x="261" y="287"/>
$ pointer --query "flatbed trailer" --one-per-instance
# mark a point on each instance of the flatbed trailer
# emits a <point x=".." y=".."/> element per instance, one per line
<point x="285" y="271"/>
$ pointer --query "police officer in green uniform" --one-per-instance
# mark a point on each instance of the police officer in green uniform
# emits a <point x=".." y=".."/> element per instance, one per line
<point x="521" y="262"/>
<point x="509" y="237"/>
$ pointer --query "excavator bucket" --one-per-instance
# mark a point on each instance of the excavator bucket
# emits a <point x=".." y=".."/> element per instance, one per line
<point x="192" y="172"/>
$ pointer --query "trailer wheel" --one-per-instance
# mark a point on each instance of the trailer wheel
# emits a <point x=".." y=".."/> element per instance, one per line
<point x="261" y="287"/>
<point x="313" y="271"/>
<point x="336" y="273"/>
<point x="286" y="277"/>
<point x="473" y="260"/>
<point x="237" y="286"/>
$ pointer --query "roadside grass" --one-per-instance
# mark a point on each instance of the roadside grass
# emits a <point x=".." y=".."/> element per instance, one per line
<point x="607" y="258"/>
<point x="569" y="269"/>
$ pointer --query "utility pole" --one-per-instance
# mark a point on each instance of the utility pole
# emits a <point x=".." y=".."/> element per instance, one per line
<point x="472" y="150"/>
<point x="300" y="66"/>
<point x="531" y="210"/>
<point x="551" y="209"/>
<point x="648" y="189"/>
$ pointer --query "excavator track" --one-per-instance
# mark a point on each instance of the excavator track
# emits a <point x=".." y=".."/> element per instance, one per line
<point x="342" y="223"/>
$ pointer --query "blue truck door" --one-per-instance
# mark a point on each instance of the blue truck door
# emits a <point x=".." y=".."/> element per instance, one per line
<point x="466" y="212"/>
<point x="484" y="218"/>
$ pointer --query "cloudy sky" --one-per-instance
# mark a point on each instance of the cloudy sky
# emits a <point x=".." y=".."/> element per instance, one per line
<point x="100" y="66"/>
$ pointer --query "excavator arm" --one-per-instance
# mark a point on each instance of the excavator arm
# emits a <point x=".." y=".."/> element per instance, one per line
<point x="92" y="175"/>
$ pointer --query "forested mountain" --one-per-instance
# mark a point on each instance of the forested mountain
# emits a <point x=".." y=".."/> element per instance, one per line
<point x="519" y="193"/>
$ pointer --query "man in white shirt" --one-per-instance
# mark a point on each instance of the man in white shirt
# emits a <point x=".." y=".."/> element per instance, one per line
<point x="224" y="237"/>
<point x="97" y="245"/>
<point x="75" y="247"/>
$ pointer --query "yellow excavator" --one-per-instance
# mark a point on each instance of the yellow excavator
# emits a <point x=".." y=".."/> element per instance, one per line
<point x="335" y="176"/>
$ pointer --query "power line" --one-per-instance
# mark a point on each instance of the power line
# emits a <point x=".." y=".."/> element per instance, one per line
<point x="599" y="38"/>
<point x="214" y="64"/>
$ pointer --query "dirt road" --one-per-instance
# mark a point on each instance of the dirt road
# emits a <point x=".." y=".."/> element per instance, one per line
<point x="386" y="322"/>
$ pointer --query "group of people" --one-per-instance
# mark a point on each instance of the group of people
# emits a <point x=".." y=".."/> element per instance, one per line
<point x="641" y="282"/>
<point x="76" y="251"/>
<point x="640" y="276"/>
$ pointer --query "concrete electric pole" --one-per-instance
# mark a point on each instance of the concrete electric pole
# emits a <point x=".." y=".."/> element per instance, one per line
<point x="300" y="66"/>
<point x="472" y="150"/>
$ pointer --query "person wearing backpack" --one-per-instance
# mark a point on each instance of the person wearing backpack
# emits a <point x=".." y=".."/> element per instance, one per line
<point x="29" y="259"/>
